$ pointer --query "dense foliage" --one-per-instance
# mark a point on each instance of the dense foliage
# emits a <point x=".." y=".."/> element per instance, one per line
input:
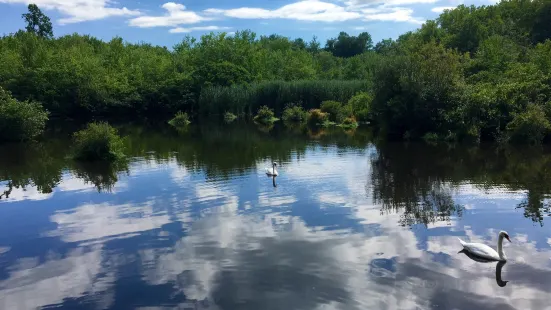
<point x="474" y="73"/>
<point x="98" y="142"/>
<point x="20" y="120"/>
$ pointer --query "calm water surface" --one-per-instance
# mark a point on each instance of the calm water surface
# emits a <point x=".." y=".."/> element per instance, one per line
<point x="192" y="222"/>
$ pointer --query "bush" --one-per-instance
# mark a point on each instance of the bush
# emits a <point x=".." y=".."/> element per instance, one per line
<point x="332" y="108"/>
<point x="349" y="122"/>
<point x="431" y="137"/>
<point x="336" y="110"/>
<point x="181" y="119"/>
<point x="265" y="115"/>
<point x="360" y="105"/>
<point x="294" y="114"/>
<point x="20" y="120"/>
<point x="317" y="118"/>
<point x="530" y="126"/>
<point x="98" y="141"/>
<point x="229" y="117"/>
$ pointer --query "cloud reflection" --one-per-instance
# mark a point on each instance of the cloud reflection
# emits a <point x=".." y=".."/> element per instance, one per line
<point x="235" y="261"/>
<point x="77" y="274"/>
<point x="92" y="222"/>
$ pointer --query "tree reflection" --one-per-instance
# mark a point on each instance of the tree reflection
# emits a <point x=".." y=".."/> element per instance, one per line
<point x="404" y="180"/>
<point x="420" y="178"/>
<point x="104" y="175"/>
<point x="37" y="164"/>
<point x="417" y="179"/>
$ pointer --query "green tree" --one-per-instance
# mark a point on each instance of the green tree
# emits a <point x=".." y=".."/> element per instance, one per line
<point x="314" y="46"/>
<point x="385" y="46"/>
<point x="37" y="22"/>
<point x="347" y="46"/>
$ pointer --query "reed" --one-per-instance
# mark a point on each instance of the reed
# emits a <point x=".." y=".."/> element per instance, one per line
<point x="247" y="99"/>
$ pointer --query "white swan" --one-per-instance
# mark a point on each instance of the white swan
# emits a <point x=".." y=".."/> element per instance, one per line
<point x="272" y="171"/>
<point x="485" y="251"/>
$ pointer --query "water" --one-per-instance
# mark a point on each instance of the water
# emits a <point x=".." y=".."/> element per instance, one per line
<point x="192" y="222"/>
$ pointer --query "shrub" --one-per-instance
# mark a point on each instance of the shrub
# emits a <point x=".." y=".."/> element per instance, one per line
<point x="360" y="105"/>
<point x="336" y="110"/>
<point x="349" y="122"/>
<point x="98" y="141"/>
<point x="265" y="115"/>
<point x="181" y="119"/>
<point x="229" y="117"/>
<point x="332" y="108"/>
<point x="20" y="120"/>
<point x="317" y="118"/>
<point x="431" y="137"/>
<point x="294" y="114"/>
<point x="530" y="126"/>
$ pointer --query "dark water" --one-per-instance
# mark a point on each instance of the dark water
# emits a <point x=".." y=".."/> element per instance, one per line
<point x="192" y="222"/>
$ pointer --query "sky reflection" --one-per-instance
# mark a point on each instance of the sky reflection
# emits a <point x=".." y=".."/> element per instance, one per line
<point x="343" y="229"/>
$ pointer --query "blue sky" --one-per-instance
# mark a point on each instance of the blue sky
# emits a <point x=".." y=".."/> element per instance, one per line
<point x="164" y="22"/>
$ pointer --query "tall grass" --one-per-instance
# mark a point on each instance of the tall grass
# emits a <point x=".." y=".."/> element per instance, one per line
<point x="247" y="99"/>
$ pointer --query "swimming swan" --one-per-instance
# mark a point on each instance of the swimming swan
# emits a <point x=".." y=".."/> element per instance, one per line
<point x="272" y="171"/>
<point x="485" y="251"/>
<point x="499" y="266"/>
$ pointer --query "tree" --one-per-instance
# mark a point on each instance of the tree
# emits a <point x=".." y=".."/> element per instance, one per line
<point x="314" y="45"/>
<point x="385" y="46"/>
<point x="38" y="23"/>
<point x="348" y="46"/>
<point x="299" y="44"/>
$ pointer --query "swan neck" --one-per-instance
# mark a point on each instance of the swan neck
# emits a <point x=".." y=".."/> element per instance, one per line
<point x="500" y="247"/>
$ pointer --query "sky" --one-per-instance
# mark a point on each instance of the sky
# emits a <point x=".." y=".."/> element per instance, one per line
<point x="166" y="23"/>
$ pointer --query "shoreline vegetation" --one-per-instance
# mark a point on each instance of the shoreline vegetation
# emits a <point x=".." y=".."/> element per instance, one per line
<point x="473" y="74"/>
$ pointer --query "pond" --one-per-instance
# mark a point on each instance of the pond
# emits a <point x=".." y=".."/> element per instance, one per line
<point x="191" y="221"/>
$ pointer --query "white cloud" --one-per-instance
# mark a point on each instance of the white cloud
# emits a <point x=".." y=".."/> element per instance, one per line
<point x="440" y="9"/>
<point x="79" y="10"/>
<point x="395" y="15"/>
<point x="307" y="10"/>
<point x="355" y="4"/>
<point x="176" y="15"/>
<point x="315" y="10"/>
<point x="202" y="28"/>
